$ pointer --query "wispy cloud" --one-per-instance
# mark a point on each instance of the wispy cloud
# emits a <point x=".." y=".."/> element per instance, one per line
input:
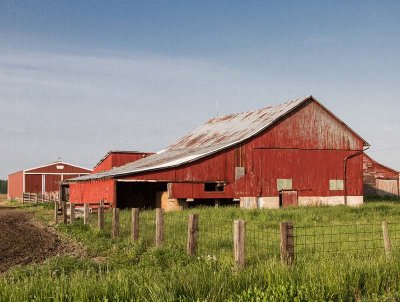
<point x="78" y="107"/>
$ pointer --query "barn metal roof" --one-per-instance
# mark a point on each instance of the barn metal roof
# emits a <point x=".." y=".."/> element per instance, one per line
<point x="217" y="134"/>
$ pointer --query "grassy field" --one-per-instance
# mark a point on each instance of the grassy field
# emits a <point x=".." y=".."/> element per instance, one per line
<point x="354" y="268"/>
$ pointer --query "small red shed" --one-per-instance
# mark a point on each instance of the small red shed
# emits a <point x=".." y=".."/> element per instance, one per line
<point x="43" y="179"/>
<point x="295" y="153"/>
<point x="115" y="159"/>
<point x="379" y="180"/>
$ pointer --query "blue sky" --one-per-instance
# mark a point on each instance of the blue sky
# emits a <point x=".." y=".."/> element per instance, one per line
<point x="78" y="78"/>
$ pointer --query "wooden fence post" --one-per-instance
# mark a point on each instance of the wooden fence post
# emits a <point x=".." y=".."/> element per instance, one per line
<point x="287" y="242"/>
<point x="159" y="227"/>
<point x="86" y="214"/>
<point x="115" y="223"/>
<point x="100" y="216"/>
<point x="193" y="234"/>
<point x="71" y="213"/>
<point x="64" y="211"/>
<point x="55" y="211"/>
<point x="386" y="239"/>
<point x="135" y="225"/>
<point x="239" y="242"/>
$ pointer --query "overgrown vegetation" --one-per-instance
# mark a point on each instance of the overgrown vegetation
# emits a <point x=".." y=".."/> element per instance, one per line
<point x="117" y="270"/>
<point x="3" y="186"/>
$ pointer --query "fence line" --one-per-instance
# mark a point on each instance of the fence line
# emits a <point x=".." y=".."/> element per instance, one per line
<point x="38" y="197"/>
<point x="239" y="240"/>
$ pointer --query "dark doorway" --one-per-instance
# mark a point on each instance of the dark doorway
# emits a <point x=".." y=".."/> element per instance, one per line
<point x="64" y="192"/>
<point x="139" y="194"/>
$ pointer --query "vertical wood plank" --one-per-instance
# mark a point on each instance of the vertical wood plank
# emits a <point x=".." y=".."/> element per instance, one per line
<point x="287" y="242"/>
<point x="159" y="227"/>
<point x="71" y="213"/>
<point x="193" y="234"/>
<point x="64" y="211"/>
<point x="100" y="216"/>
<point x="115" y="223"/>
<point x="386" y="239"/>
<point x="86" y="214"/>
<point x="239" y="242"/>
<point x="135" y="225"/>
<point x="55" y="211"/>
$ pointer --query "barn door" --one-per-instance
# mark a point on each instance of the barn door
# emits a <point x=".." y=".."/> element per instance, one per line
<point x="289" y="199"/>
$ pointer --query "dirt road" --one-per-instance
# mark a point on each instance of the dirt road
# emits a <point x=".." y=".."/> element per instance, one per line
<point x="23" y="241"/>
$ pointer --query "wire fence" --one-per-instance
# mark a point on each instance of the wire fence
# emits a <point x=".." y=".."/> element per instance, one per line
<point x="262" y="241"/>
<point x="330" y="240"/>
<point x="215" y="239"/>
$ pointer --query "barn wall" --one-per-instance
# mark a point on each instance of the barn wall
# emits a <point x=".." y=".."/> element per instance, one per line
<point x="117" y="160"/>
<point x="52" y="183"/>
<point x="15" y="185"/>
<point x="92" y="191"/>
<point x="310" y="127"/>
<point x="33" y="183"/>
<point x="105" y="165"/>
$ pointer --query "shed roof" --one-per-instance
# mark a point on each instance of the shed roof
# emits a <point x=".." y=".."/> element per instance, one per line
<point x="215" y="135"/>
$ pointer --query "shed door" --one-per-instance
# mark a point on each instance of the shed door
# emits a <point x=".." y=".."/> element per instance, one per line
<point x="387" y="187"/>
<point x="289" y="199"/>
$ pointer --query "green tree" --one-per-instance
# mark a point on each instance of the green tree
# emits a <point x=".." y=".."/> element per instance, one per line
<point x="3" y="186"/>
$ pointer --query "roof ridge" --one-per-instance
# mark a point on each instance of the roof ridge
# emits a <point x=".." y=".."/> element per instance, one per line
<point x="259" y="109"/>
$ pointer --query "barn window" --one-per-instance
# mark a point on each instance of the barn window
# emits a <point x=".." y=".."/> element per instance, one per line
<point x="336" y="184"/>
<point x="213" y="187"/>
<point x="284" y="184"/>
<point x="60" y="167"/>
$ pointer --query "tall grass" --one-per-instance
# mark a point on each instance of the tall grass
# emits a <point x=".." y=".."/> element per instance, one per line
<point x="117" y="270"/>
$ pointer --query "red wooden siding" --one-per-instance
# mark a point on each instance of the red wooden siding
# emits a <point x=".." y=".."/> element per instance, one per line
<point x="33" y="183"/>
<point x="15" y="185"/>
<point x="116" y="159"/>
<point x="92" y="191"/>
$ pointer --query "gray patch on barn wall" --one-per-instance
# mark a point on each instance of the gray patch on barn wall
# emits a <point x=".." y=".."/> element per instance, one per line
<point x="239" y="172"/>
<point x="284" y="184"/>
<point x="336" y="185"/>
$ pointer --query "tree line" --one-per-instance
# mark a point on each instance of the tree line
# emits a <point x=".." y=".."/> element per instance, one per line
<point x="3" y="186"/>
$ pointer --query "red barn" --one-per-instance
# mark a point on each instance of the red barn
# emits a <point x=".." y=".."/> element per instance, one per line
<point x="115" y="159"/>
<point x="380" y="180"/>
<point x="43" y="179"/>
<point x="296" y="153"/>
